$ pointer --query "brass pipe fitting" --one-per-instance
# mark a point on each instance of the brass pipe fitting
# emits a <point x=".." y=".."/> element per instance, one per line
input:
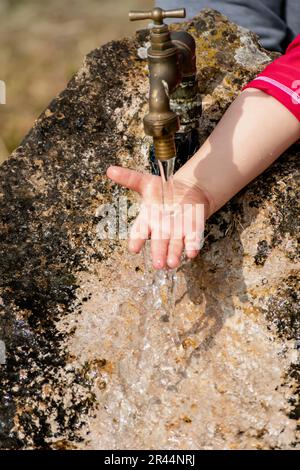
<point x="171" y="58"/>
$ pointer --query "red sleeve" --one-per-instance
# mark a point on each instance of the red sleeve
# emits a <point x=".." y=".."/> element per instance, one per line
<point x="281" y="79"/>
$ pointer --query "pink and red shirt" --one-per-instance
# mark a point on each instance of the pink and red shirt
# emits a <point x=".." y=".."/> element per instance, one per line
<point x="281" y="79"/>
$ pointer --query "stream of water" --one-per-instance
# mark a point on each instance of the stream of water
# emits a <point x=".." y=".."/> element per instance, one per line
<point x="157" y="371"/>
<point x="165" y="279"/>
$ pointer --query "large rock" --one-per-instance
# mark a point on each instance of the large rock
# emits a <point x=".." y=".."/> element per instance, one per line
<point x="93" y="360"/>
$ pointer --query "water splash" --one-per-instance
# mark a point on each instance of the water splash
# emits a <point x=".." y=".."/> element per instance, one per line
<point x="158" y="365"/>
<point x="164" y="281"/>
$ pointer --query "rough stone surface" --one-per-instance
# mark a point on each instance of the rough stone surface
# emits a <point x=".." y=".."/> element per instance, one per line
<point x="93" y="359"/>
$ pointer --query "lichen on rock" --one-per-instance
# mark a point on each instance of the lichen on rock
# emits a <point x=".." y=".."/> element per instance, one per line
<point x="72" y="307"/>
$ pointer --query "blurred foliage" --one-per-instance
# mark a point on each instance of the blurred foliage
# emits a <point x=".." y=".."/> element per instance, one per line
<point x="42" y="44"/>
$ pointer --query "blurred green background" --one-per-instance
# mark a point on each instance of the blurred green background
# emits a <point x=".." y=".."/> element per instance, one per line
<point x="42" y="44"/>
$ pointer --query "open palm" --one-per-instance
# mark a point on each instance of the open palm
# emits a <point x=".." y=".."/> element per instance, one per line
<point x="176" y="225"/>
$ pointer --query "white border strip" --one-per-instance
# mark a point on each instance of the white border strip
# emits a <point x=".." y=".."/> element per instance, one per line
<point x="293" y="94"/>
<point x="2" y="92"/>
<point x="2" y="353"/>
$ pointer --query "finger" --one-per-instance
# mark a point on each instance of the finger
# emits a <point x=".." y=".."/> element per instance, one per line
<point x="159" y="251"/>
<point x="191" y="253"/>
<point x="174" y="252"/>
<point x="130" y="179"/>
<point x="139" y="233"/>
<point x="160" y="225"/>
<point x="193" y="243"/>
<point x="135" y="246"/>
<point x="194" y="228"/>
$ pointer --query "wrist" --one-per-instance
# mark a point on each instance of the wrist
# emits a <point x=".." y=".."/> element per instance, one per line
<point x="202" y="196"/>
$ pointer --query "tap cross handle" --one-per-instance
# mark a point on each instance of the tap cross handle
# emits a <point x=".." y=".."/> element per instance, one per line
<point x="157" y="15"/>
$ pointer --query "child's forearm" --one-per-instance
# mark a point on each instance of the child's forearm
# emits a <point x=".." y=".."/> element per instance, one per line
<point x="255" y="130"/>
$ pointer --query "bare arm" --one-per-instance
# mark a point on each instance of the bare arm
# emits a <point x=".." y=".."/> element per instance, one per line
<point x="255" y="130"/>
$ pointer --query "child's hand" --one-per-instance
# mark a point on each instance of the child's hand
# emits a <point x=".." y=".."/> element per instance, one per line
<point x="253" y="132"/>
<point x="172" y="227"/>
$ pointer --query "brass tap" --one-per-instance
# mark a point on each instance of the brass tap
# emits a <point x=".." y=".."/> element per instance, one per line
<point x="171" y="59"/>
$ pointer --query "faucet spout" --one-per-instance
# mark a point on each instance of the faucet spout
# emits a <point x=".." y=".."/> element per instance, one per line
<point x="171" y="59"/>
<point x="161" y="122"/>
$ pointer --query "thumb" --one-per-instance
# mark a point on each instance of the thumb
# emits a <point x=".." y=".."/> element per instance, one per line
<point x="130" y="179"/>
